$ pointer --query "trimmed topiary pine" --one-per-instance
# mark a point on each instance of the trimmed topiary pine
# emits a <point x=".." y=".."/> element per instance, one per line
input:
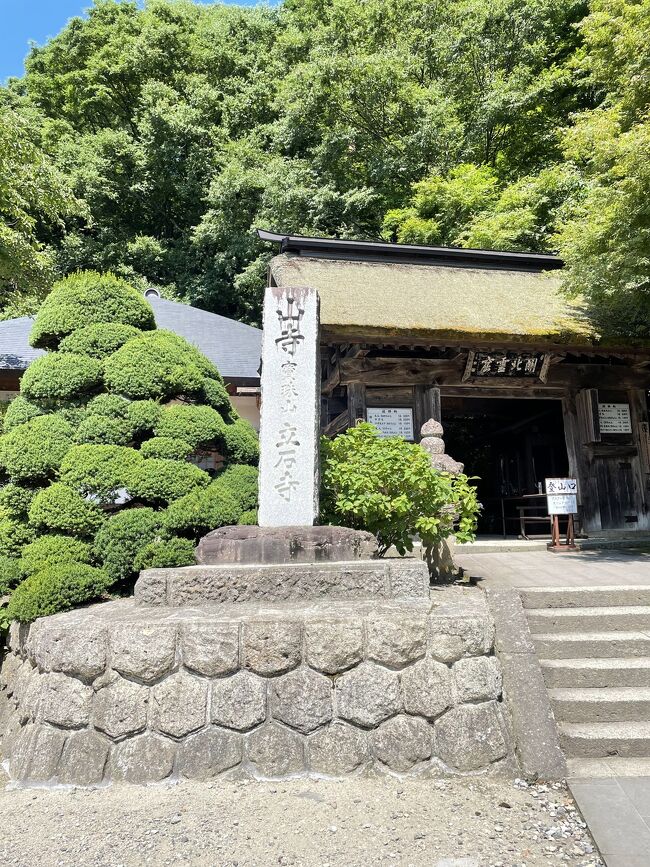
<point x="99" y="453"/>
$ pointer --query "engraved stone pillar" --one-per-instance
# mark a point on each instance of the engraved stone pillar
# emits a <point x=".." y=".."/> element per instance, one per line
<point x="290" y="414"/>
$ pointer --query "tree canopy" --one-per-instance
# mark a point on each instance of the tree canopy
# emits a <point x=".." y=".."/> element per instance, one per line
<point x="178" y="127"/>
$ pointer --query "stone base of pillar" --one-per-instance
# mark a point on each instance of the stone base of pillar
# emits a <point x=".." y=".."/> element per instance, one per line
<point x="242" y="544"/>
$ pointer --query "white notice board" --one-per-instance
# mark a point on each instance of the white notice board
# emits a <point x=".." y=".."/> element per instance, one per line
<point x="614" y="418"/>
<point x="392" y="421"/>
<point x="562" y="496"/>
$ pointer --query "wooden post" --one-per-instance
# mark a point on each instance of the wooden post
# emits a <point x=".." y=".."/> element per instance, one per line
<point x="577" y="410"/>
<point x="426" y="405"/>
<point x="356" y="402"/>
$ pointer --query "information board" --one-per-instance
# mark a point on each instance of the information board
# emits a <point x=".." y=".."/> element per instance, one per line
<point x="614" y="418"/>
<point x="392" y="421"/>
<point x="562" y="496"/>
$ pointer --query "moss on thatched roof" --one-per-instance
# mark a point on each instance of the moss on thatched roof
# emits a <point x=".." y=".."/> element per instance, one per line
<point x="437" y="301"/>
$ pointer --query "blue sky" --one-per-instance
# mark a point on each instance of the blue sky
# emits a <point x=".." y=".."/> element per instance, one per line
<point x="23" y="21"/>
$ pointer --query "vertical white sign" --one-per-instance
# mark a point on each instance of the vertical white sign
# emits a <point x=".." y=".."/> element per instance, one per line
<point x="290" y="411"/>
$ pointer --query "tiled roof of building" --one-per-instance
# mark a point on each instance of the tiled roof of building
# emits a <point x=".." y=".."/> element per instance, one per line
<point x="235" y="348"/>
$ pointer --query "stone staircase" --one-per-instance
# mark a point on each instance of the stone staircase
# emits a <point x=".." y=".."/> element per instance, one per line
<point x="594" y="649"/>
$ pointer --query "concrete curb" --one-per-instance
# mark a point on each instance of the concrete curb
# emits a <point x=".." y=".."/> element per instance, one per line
<point x="535" y="733"/>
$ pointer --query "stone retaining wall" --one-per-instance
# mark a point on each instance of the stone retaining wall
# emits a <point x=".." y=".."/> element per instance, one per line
<point x="125" y="692"/>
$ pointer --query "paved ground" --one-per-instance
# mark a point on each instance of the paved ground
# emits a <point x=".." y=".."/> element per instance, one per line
<point x="542" y="569"/>
<point x="352" y="823"/>
<point x="618" y="813"/>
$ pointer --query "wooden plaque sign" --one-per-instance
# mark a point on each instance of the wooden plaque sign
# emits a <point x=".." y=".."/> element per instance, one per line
<point x="507" y="365"/>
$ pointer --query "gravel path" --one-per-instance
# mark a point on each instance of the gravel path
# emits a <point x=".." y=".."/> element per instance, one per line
<point x="376" y="821"/>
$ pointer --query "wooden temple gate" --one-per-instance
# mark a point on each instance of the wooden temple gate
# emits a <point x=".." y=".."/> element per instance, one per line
<point x="485" y="343"/>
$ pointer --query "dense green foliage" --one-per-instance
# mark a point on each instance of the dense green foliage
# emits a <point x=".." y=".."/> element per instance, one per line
<point x="388" y="487"/>
<point x="55" y="588"/>
<point x="96" y="461"/>
<point x="180" y="126"/>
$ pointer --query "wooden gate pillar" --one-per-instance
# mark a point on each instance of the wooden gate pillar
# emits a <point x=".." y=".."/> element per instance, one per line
<point x="426" y="405"/>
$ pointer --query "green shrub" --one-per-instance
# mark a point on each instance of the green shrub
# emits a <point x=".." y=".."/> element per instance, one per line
<point x="56" y="588"/>
<point x="216" y="396"/>
<point x="99" y="471"/>
<point x="166" y="553"/>
<point x="52" y="551"/>
<point x="143" y="415"/>
<point x="99" y="339"/>
<point x="34" y="450"/>
<point x="121" y="538"/>
<point x="201" y="511"/>
<point x="240" y="442"/>
<point x="388" y="486"/>
<point x="197" y="425"/>
<point x="109" y="405"/>
<point x="19" y="411"/>
<point x="15" y="500"/>
<point x="14" y="534"/>
<point x="9" y="574"/>
<point x="60" y="376"/>
<point x="60" y="508"/>
<point x="171" y="448"/>
<point x="88" y="298"/>
<point x="155" y="365"/>
<point x="103" y="429"/>
<point x="241" y="481"/>
<point x="156" y="480"/>
<point x="248" y="518"/>
<point x="73" y="413"/>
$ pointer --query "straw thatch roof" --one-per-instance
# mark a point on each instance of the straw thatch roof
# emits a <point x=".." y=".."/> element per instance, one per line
<point x="437" y="301"/>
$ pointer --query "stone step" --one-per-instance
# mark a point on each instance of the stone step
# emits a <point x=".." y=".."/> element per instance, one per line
<point x="598" y="740"/>
<point x="610" y="766"/>
<point x="596" y="619"/>
<point x="613" y="704"/>
<point x="572" y="645"/>
<point x="585" y="597"/>
<point x="597" y="673"/>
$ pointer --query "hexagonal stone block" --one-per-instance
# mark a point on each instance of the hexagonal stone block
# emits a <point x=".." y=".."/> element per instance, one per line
<point x="302" y="699"/>
<point x="35" y="753"/>
<point x="239" y="702"/>
<point x="65" y="701"/>
<point x="427" y="688"/>
<point x="83" y="759"/>
<point x="78" y="650"/>
<point x="119" y="706"/>
<point x="31" y="692"/>
<point x="145" y="758"/>
<point x="337" y="750"/>
<point x="396" y="641"/>
<point x="367" y="695"/>
<point x="333" y="646"/>
<point x="402" y="742"/>
<point x="271" y="647"/>
<point x="470" y="737"/>
<point x="275" y="751"/>
<point x="210" y="648"/>
<point x="179" y="704"/>
<point x="453" y="637"/>
<point x="143" y="651"/>
<point x="23" y="676"/>
<point x="209" y="753"/>
<point x="478" y="678"/>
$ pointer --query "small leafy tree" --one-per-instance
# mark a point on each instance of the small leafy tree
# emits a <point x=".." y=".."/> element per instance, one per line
<point x="388" y="487"/>
<point x="97" y="451"/>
